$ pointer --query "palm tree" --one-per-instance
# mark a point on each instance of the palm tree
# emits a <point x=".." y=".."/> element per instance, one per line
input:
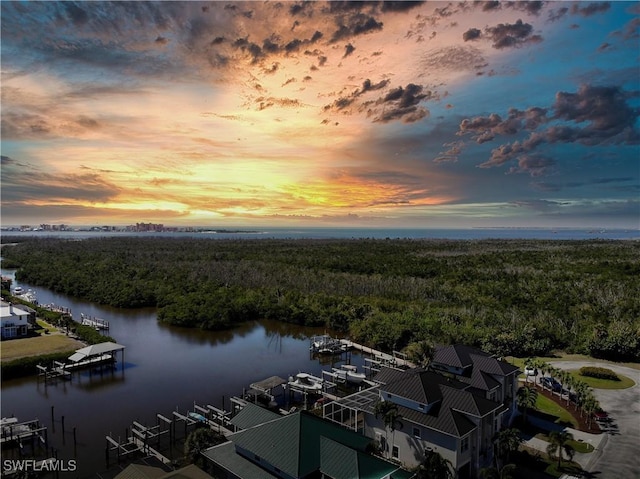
<point x="421" y="353"/>
<point x="391" y="417"/>
<point x="526" y="398"/>
<point x="506" y="472"/>
<point x="507" y="441"/>
<point x="200" y="440"/>
<point x="434" y="466"/>
<point x="569" y="383"/>
<point x="558" y="442"/>
<point x="590" y="405"/>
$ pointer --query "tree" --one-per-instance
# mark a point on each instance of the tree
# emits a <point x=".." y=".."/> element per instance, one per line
<point x="558" y="442"/>
<point x="434" y="466"/>
<point x="526" y="398"/>
<point x="390" y="416"/>
<point x="507" y="441"/>
<point x="421" y="353"/>
<point x="506" y="472"/>
<point x="200" y="440"/>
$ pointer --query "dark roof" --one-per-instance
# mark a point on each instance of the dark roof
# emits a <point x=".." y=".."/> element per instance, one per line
<point x="415" y="384"/>
<point x="480" y="380"/>
<point x="461" y="356"/>
<point x="492" y="365"/>
<point x="450" y="399"/>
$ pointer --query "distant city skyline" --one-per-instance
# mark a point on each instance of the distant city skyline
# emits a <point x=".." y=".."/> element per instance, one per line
<point x="355" y="114"/>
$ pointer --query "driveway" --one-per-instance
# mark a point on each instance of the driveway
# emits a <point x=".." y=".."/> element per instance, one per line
<point x="617" y="455"/>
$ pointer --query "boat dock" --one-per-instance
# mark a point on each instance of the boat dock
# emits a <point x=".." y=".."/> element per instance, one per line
<point x="14" y="432"/>
<point x="99" y="324"/>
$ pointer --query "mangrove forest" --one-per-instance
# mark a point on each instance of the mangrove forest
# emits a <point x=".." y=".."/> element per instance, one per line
<point x="509" y="297"/>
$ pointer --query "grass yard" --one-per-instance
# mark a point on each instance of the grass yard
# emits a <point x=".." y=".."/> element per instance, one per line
<point x="45" y="344"/>
<point x="597" y="383"/>
<point x="547" y="406"/>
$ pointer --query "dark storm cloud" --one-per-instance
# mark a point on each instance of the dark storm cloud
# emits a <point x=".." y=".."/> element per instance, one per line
<point x="484" y="129"/>
<point x="398" y="6"/>
<point x="348" y="50"/>
<point x="489" y="6"/>
<point x="76" y="13"/>
<point x="532" y="8"/>
<point x="590" y="9"/>
<point x="471" y="34"/>
<point x="594" y="115"/>
<point x="356" y="24"/>
<point x="402" y="104"/>
<point x="605" y="110"/>
<point x="510" y="35"/>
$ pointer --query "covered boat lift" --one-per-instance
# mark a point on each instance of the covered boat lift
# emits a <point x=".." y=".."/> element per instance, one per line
<point x="95" y="354"/>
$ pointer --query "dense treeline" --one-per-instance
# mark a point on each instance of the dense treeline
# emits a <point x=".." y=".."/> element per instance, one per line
<point x="520" y="297"/>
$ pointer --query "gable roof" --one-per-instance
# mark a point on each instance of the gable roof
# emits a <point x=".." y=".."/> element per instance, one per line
<point x="252" y="415"/>
<point x="415" y="384"/>
<point x="450" y="399"/>
<point x="298" y="445"/>
<point x="292" y="443"/>
<point x="462" y="356"/>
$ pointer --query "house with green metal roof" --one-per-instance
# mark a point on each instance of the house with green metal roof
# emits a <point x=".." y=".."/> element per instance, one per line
<point x="299" y="446"/>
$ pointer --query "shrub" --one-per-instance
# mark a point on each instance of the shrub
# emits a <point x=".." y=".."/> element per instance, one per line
<point x="27" y="366"/>
<point x="600" y="373"/>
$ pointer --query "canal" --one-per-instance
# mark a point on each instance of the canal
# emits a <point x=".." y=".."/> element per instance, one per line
<point x="165" y="369"/>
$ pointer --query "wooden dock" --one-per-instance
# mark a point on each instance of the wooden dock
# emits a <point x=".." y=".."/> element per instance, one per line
<point x="97" y="323"/>
<point x="14" y="432"/>
<point x="395" y="360"/>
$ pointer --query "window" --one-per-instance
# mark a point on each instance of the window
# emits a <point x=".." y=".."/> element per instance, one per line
<point x="416" y="432"/>
<point x="464" y="444"/>
<point x="395" y="453"/>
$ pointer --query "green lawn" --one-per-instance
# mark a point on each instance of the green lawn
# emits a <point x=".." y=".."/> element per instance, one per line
<point x="624" y="383"/>
<point x="597" y="383"/>
<point x="547" y="406"/>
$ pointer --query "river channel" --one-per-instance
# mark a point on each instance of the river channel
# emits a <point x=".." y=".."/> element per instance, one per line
<point x="165" y="369"/>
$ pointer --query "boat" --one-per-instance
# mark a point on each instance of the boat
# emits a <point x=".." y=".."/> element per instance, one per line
<point x="349" y="372"/>
<point x="197" y="417"/>
<point x="306" y="382"/>
<point x="17" y="291"/>
<point x="325" y="344"/>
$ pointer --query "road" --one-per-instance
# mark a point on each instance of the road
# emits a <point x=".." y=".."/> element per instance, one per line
<point x="618" y="455"/>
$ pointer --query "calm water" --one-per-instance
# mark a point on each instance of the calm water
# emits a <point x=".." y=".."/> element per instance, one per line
<point x="378" y="233"/>
<point x="165" y="369"/>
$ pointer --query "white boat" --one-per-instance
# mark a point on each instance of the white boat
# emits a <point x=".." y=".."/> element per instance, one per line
<point x="17" y="291"/>
<point x="306" y="382"/>
<point x="349" y="372"/>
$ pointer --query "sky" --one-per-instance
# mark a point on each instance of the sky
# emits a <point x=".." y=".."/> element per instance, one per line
<point x="359" y="114"/>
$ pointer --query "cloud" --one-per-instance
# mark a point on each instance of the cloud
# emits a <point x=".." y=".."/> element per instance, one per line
<point x="593" y="115"/>
<point x="505" y="35"/>
<point x="471" y="34"/>
<point x="533" y="165"/>
<point x="590" y="9"/>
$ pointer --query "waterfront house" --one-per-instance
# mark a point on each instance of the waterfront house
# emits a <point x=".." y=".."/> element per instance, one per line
<point x="298" y="446"/>
<point x="14" y="321"/>
<point x="491" y="377"/>
<point x="433" y="413"/>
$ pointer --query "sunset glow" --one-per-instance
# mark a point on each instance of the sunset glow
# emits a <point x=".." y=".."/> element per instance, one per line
<point x="419" y="114"/>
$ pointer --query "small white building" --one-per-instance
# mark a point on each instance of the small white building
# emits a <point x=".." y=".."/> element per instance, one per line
<point x="13" y="321"/>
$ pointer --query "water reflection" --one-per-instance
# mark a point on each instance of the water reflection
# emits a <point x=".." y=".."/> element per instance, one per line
<point x="166" y="368"/>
